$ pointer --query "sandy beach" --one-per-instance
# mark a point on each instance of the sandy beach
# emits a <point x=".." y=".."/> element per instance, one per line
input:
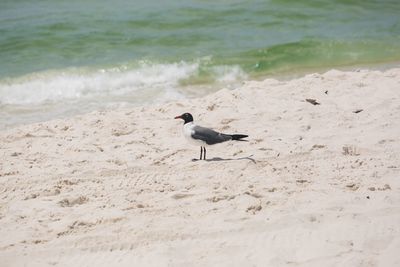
<point x="317" y="183"/>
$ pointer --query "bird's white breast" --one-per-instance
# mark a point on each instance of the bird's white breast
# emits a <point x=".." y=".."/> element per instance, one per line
<point x="188" y="131"/>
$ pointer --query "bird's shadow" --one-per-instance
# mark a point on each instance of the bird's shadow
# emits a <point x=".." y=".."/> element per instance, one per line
<point x="229" y="159"/>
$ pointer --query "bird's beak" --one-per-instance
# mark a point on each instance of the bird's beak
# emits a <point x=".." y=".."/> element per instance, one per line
<point x="178" y="117"/>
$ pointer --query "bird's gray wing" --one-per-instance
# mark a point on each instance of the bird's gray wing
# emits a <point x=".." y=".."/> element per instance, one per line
<point x="209" y="136"/>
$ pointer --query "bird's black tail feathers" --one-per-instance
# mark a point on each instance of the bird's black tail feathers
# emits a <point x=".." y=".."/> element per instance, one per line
<point x="239" y="137"/>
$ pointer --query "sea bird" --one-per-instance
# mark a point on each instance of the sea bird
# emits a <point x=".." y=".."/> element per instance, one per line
<point x="202" y="136"/>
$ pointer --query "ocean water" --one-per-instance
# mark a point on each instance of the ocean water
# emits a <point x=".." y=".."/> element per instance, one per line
<point x="61" y="58"/>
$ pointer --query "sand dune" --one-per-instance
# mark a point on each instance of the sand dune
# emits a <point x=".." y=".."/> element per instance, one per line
<point x="315" y="185"/>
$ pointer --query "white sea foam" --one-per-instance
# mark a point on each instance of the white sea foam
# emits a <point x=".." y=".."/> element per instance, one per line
<point x="51" y="94"/>
<point x="84" y="84"/>
<point x="229" y="74"/>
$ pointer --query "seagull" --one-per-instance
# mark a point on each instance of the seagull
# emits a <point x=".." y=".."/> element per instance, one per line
<point x="202" y="136"/>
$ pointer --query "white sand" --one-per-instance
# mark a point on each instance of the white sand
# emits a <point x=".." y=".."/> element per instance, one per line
<point x="314" y="186"/>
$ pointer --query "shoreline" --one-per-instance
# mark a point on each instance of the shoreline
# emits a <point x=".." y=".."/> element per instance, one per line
<point x="315" y="185"/>
<point x="190" y="92"/>
<point x="372" y="66"/>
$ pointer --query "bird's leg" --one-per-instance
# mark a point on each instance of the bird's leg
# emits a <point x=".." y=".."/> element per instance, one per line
<point x="201" y="152"/>
<point x="204" y="153"/>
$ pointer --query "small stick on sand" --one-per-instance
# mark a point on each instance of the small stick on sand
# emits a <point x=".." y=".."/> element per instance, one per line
<point x="312" y="101"/>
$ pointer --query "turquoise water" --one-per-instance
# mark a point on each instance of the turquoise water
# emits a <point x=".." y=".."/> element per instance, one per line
<point x="59" y="58"/>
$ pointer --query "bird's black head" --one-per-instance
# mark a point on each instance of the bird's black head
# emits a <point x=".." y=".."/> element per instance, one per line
<point x="187" y="117"/>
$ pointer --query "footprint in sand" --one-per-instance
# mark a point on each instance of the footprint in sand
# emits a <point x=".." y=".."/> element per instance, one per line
<point x="73" y="201"/>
